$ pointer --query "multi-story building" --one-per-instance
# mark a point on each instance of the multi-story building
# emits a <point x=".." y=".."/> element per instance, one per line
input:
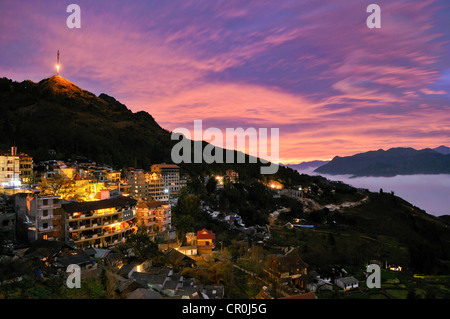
<point x="106" y="175"/>
<point x="100" y="223"/>
<point x="15" y="169"/>
<point x="113" y="176"/>
<point x="183" y="181"/>
<point x="26" y="168"/>
<point x="154" y="215"/>
<point x="170" y="174"/>
<point x="10" y="169"/>
<point x="148" y="186"/>
<point x="145" y="216"/>
<point x="157" y="189"/>
<point x="138" y="184"/>
<point x="42" y="214"/>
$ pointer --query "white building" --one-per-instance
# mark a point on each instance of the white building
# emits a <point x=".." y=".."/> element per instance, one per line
<point x="346" y="283"/>
<point x="10" y="169"/>
<point x="43" y="214"/>
<point x="170" y="174"/>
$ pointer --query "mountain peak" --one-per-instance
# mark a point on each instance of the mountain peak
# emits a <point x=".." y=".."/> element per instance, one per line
<point x="57" y="81"/>
<point x="443" y="149"/>
<point x="394" y="161"/>
<point x="57" y="85"/>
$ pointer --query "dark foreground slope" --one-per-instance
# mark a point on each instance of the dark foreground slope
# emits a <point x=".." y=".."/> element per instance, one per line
<point x="425" y="238"/>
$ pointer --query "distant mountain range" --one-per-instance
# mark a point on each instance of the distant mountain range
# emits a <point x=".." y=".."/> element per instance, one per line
<point x="307" y="165"/>
<point x="443" y="149"/>
<point x="395" y="161"/>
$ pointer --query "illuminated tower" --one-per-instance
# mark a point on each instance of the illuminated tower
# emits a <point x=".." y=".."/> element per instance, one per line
<point x="57" y="63"/>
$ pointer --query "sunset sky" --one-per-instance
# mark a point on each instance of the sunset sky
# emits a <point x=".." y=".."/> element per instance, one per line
<point x="311" y="68"/>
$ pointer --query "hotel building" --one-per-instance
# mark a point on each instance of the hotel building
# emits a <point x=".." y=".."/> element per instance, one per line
<point x="100" y="223"/>
<point x="170" y="174"/>
<point x="148" y="186"/>
<point x="155" y="216"/>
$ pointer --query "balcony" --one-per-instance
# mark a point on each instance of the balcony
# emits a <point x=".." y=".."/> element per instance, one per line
<point x="93" y="215"/>
<point x="49" y="229"/>
<point x="87" y="227"/>
<point x="102" y="235"/>
<point x="49" y="206"/>
<point x="45" y="217"/>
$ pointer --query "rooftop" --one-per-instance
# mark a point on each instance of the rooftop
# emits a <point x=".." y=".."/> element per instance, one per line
<point x="152" y="204"/>
<point x="82" y="207"/>
<point x="166" y="165"/>
<point x="205" y="234"/>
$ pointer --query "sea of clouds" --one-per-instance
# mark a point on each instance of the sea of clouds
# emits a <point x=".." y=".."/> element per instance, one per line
<point x="428" y="192"/>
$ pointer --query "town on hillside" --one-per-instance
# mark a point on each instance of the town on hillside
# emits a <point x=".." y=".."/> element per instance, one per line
<point x="156" y="232"/>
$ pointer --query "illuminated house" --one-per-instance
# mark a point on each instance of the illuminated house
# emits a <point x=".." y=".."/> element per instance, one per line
<point x="113" y="176"/>
<point x="219" y="180"/>
<point x="100" y="223"/>
<point x="106" y="175"/>
<point x="275" y="184"/>
<point x="170" y="174"/>
<point x="155" y="216"/>
<point x="205" y="241"/>
<point x="86" y="187"/>
<point x="157" y="188"/>
<point x="67" y="172"/>
<point x="148" y="186"/>
<point x="26" y="168"/>
<point x="10" y="169"/>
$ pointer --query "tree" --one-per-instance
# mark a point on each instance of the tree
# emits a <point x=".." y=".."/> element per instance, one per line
<point x="188" y="204"/>
<point x="142" y="244"/>
<point x="57" y="185"/>
<point x="10" y="272"/>
<point x="183" y="224"/>
<point x="211" y="185"/>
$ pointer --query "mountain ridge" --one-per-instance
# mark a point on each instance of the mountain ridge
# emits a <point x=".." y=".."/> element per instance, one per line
<point x="307" y="164"/>
<point x="55" y="114"/>
<point x="392" y="162"/>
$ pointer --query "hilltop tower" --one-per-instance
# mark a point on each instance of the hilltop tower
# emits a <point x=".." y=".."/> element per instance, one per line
<point x="57" y="63"/>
